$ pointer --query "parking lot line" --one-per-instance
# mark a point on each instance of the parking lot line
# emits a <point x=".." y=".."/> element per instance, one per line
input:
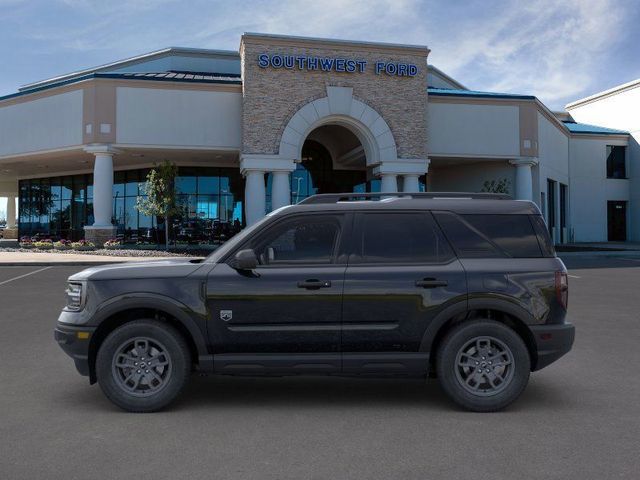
<point x="25" y="275"/>
<point x="573" y="276"/>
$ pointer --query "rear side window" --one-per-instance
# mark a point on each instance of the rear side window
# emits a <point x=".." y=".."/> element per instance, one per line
<point x="476" y="236"/>
<point x="543" y="236"/>
<point x="400" y="238"/>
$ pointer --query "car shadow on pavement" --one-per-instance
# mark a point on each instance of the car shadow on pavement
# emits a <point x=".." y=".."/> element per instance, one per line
<point x="220" y="392"/>
<point x="314" y="392"/>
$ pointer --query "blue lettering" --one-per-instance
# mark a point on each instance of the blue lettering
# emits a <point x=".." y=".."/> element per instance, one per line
<point x="312" y="63"/>
<point x="402" y="70"/>
<point x="340" y="67"/>
<point x="263" y="60"/>
<point x="351" y="66"/>
<point x="326" y="64"/>
<point x="362" y="64"/>
<point x="302" y="61"/>
<point x="276" y="61"/>
<point x="379" y="67"/>
<point x="413" y="70"/>
<point x="289" y="61"/>
<point x="392" y="68"/>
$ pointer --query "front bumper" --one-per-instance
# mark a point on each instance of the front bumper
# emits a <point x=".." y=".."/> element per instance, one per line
<point x="74" y="340"/>
<point x="552" y="342"/>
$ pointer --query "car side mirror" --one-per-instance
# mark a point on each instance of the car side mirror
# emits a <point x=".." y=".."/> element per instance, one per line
<point x="244" y="260"/>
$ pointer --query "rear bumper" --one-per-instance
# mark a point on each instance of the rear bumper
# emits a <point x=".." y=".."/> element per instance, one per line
<point x="552" y="342"/>
<point x="75" y="343"/>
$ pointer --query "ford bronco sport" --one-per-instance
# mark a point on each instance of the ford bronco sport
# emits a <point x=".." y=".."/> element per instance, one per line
<point x="465" y="287"/>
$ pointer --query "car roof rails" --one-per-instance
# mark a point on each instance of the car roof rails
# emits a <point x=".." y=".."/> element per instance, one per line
<point x="354" y="197"/>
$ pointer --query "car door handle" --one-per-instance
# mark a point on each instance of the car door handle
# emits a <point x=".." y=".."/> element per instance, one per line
<point x="431" y="283"/>
<point x="314" y="284"/>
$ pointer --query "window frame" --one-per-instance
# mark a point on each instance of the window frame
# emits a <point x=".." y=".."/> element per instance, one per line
<point x="608" y="150"/>
<point x="355" y="257"/>
<point x="338" y="258"/>
<point x="503" y="254"/>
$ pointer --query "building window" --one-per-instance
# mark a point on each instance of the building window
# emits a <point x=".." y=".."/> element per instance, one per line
<point x="551" y="205"/>
<point x="616" y="161"/>
<point x="210" y="200"/>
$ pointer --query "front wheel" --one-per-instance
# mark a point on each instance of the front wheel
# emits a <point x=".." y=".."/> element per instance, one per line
<point x="143" y="365"/>
<point x="483" y="365"/>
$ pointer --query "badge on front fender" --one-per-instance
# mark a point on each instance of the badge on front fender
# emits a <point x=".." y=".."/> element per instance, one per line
<point x="226" y="315"/>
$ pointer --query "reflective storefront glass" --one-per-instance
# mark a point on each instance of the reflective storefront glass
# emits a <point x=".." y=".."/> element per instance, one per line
<point x="210" y="201"/>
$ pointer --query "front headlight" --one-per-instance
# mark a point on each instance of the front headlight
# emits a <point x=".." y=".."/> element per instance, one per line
<point x="75" y="296"/>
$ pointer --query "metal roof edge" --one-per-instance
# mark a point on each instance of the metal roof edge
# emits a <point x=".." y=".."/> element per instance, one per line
<point x="604" y="93"/>
<point x="121" y="76"/>
<point x="128" y="61"/>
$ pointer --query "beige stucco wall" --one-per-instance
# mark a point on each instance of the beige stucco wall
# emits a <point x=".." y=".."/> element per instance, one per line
<point x="271" y="96"/>
<point x="45" y="123"/>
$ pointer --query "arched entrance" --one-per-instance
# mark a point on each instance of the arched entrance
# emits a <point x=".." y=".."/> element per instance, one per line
<point x="332" y="160"/>
<point x="332" y="144"/>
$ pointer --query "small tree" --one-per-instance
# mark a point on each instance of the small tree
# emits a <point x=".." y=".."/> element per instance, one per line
<point x="160" y="194"/>
<point x="496" y="186"/>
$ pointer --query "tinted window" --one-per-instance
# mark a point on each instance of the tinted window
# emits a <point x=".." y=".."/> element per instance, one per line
<point x="543" y="236"/>
<point x="305" y="240"/>
<point x="476" y="236"/>
<point x="401" y="238"/>
<point x="468" y="242"/>
<point x="514" y="234"/>
<point x="616" y="167"/>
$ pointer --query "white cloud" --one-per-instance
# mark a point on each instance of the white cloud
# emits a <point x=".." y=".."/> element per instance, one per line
<point x="546" y="48"/>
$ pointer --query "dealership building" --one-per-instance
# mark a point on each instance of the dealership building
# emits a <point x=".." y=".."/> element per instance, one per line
<point x="286" y="117"/>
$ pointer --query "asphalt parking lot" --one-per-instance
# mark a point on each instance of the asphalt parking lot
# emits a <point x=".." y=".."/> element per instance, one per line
<point x="578" y="419"/>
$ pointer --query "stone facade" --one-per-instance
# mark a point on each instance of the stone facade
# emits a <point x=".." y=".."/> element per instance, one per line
<point x="271" y="96"/>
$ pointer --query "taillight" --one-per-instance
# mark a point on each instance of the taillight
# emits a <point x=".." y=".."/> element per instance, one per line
<point x="562" y="288"/>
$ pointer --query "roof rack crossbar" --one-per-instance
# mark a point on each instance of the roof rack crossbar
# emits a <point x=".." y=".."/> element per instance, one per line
<point x="343" y="197"/>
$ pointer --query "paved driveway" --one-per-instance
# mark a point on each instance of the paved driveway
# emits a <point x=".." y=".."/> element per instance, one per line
<point x="578" y="419"/>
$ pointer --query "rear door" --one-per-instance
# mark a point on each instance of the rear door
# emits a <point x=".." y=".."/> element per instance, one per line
<point x="401" y="274"/>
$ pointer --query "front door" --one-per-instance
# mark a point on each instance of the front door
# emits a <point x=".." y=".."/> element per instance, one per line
<point x="401" y="274"/>
<point x="285" y="314"/>
<point x="617" y="221"/>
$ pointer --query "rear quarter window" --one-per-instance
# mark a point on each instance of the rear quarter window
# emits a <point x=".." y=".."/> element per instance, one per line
<point x="487" y="236"/>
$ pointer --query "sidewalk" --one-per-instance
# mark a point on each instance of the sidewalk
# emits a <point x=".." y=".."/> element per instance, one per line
<point x="66" y="259"/>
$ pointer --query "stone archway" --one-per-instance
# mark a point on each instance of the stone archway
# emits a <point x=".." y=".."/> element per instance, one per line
<point x="337" y="108"/>
<point x="340" y="108"/>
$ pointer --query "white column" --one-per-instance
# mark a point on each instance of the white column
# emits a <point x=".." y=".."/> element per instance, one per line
<point x="103" y="189"/>
<point x="254" y="196"/>
<point x="410" y="183"/>
<point x="524" y="178"/>
<point x="11" y="211"/>
<point x="280" y="190"/>
<point x="389" y="183"/>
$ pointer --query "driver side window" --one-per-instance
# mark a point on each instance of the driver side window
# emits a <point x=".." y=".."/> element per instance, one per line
<point x="311" y="239"/>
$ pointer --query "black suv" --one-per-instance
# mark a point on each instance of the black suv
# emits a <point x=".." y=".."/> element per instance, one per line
<point x="465" y="287"/>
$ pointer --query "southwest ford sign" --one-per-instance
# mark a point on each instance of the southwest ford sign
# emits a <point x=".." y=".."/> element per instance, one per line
<point x="330" y="64"/>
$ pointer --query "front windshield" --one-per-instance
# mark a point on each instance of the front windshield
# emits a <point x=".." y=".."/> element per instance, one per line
<point x="226" y="247"/>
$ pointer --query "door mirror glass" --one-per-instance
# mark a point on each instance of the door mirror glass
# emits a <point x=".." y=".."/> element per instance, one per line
<point x="244" y="260"/>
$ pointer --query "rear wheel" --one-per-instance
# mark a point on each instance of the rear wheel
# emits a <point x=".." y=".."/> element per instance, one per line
<point x="143" y="365"/>
<point x="483" y="365"/>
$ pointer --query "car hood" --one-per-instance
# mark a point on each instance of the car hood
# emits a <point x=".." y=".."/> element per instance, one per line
<point x="170" y="268"/>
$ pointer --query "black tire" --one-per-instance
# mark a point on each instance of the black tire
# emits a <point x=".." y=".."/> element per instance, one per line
<point x="132" y="389"/>
<point x="466" y="350"/>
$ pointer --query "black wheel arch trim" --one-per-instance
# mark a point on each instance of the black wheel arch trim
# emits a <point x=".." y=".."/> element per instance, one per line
<point x="464" y="306"/>
<point x="153" y="301"/>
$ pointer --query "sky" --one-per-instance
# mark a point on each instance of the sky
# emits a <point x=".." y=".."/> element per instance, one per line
<point x="558" y="50"/>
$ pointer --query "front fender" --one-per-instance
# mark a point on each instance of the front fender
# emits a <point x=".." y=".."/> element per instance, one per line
<point x="195" y="326"/>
